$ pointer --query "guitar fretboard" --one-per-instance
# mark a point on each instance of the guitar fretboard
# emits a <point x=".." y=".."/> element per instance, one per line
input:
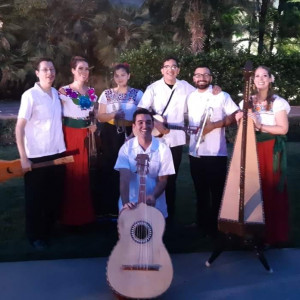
<point x="142" y="189"/>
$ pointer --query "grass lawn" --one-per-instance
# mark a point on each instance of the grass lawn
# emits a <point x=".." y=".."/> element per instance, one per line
<point x="99" y="239"/>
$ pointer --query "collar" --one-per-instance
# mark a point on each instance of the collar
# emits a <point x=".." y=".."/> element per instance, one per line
<point x="152" y="147"/>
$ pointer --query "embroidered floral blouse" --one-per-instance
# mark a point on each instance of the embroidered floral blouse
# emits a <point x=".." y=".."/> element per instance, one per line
<point x="126" y="101"/>
<point x="77" y="106"/>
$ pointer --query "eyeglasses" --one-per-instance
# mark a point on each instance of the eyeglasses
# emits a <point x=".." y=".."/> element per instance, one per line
<point x="51" y="70"/>
<point x="167" y="67"/>
<point x="199" y="75"/>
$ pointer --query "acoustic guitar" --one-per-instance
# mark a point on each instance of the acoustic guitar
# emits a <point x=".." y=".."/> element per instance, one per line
<point x="12" y="168"/>
<point x="186" y="129"/>
<point x="139" y="265"/>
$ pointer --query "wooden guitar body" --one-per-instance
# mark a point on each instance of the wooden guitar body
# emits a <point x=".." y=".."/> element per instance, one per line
<point x="139" y="265"/>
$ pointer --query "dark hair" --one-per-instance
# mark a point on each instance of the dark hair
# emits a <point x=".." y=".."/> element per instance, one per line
<point x="142" y="111"/>
<point x="39" y="60"/>
<point x="75" y="60"/>
<point x="169" y="58"/>
<point x="124" y="66"/>
<point x="203" y="66"/>
<point x="270" y="94"/>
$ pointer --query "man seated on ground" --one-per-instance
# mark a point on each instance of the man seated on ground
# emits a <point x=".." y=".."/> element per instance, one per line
<point x="160" y="165"/>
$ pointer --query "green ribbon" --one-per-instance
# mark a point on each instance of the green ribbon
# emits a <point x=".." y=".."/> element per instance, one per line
<point x="279" y="154"/>
<point x="76" y="123"/>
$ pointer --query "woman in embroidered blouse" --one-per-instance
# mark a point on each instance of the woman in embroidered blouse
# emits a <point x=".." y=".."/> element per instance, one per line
<point x="270" y="117"/>
<point x="78" y="100"/>
<point x="116" y="108"/>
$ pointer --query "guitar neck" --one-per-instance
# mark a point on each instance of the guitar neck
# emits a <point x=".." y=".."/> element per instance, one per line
<point x="58" y="161"/>
<point x="142" y="189"/>
<point x="12" y="169"/>
<point x="177" y="127"/>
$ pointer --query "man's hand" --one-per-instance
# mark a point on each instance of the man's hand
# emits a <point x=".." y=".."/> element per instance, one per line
<point x="160" y="126"/>
<point x="238" y="116"/>
<point x="209" y="126"/>
<point x="150" y="200"/>
<point x="26" y="165"/>
<point x="128" y="205"/>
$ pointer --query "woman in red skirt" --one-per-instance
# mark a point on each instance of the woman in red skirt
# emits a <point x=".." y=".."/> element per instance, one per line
<point x="270" y="117"/>
<point x="78" y="101"/>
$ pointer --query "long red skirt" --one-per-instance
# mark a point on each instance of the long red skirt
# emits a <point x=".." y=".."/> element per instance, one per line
<point x="276" y="204"/>
<point x="77" y="207"/>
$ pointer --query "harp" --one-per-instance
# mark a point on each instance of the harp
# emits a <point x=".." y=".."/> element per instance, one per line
<point x="241" y="212"/>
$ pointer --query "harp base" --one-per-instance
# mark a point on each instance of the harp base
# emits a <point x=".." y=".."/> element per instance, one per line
<point x="225" y="240"/>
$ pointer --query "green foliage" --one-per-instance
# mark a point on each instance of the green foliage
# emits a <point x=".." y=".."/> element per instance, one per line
<point x="145" y="63"/>
<point x="102" y="32"/>
<point x="226" y="66"/>
<point x="7" y="132"/>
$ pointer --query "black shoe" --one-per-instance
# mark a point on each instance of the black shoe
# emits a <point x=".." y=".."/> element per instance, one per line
<point x="39" y="245"/>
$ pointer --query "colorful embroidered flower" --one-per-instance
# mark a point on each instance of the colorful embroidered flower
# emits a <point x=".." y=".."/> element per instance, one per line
<point x="85" y="102"/>
<point x="91" y="93"/>
<point x="71" y="93"/>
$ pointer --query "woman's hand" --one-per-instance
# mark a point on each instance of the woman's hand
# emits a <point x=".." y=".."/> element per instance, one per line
<point x="255" y="119"/>
<point x="92" y="128"/>
<point x="120" y="115"/>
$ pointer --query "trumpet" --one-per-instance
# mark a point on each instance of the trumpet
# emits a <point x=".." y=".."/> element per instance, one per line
<point x="199" y="138"/>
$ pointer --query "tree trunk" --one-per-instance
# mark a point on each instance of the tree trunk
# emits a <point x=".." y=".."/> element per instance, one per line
<point x="262" y="24"/>
<point x="276" y="24"/>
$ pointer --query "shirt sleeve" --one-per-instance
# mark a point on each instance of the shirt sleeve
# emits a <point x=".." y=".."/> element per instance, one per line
<point x="123" y="159"/>
<point x="167" y="165"/>
<point x="139" y="97"/>
<point x="280" y="104"/>
<point x="189" y="89"/>
<point x="102" y="98"/>
<point x="63" y="97"/>
<point x="25" y="110"/>
<point x="147" y="98"/>
<point x="229" y="106"/>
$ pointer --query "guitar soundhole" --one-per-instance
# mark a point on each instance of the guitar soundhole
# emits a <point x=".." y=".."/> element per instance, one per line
<point x="141" y="232"/>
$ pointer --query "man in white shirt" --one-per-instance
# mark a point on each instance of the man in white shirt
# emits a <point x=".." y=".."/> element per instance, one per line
<point x="160" y="165"/>
<point x="167" y="97"/>
<point x="208" y="157"/>
<point x="40" y="138"/>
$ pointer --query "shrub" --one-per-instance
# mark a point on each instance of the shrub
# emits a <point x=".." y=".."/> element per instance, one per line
<point x="7" y="132"/>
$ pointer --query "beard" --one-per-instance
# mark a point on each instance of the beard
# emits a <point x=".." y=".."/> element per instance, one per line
<point x="202" y="85"/>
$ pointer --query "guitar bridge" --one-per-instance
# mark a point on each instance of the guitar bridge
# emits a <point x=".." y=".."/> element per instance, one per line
<point x="143" y="267"/>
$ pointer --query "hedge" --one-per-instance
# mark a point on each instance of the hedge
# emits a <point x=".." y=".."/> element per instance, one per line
<point x="226" y="66"/>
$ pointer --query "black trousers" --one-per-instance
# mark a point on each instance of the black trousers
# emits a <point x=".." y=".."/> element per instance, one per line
<point x="209" y="175"/>
<point x="171" y="184"/>
<point x="43" y="195"/>
<point x="109" y="183"/>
